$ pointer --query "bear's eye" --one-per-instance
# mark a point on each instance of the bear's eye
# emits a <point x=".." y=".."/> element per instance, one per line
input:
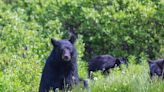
<point x="68" y="48"/>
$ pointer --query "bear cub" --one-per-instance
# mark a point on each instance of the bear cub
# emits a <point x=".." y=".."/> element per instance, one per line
<point x="104" y="63"/>
<point x="156" y="67"/>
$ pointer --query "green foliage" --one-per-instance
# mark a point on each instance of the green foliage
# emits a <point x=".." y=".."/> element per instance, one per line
<point x="132" y="28"/>
<point x="121" y="27"/>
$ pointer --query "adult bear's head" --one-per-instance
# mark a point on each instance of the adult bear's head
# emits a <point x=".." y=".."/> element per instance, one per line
<point x="65" y="48"/>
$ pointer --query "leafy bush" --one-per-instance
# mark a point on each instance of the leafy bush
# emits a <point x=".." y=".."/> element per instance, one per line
<point x="122" y="28"/>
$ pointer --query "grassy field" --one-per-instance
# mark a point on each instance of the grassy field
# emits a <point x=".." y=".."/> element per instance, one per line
<point x="133" y="79"/>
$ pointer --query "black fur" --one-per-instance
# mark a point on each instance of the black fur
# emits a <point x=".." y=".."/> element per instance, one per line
<point x="60" y="70"/>
<point x="156" y="67"/>
<point x="104" y="63"/>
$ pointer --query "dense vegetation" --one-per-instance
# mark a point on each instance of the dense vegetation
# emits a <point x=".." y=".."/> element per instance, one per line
<point x="133" y="28"/>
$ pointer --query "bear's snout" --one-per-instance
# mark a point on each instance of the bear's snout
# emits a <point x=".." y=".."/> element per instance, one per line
<point x="66" y="58"/>
<point x="66" y="55"/>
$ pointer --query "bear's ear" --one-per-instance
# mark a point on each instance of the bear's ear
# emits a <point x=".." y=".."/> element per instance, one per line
<point x="125" y="60"/>
<point x="150" y="61"/>
<point x="72" y="39"/>
<point x="161" y="64"/>
<point x="54" y="42"/>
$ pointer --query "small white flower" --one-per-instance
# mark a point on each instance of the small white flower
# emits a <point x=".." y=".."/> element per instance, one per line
<point x="123" y="72"/>
<point x="95" y="78"/>
<point x="57" y="90"/>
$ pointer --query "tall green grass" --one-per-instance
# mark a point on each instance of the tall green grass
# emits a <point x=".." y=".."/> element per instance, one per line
<point x="133" y="79"/>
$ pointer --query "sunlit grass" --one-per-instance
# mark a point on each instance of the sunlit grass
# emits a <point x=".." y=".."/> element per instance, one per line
<point x="133" y="79"/>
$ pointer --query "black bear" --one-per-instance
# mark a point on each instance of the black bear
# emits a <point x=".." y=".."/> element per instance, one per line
<point x="60" y="70"/>
<point x="104" y="63"/>
<point x="156" y="67"/>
